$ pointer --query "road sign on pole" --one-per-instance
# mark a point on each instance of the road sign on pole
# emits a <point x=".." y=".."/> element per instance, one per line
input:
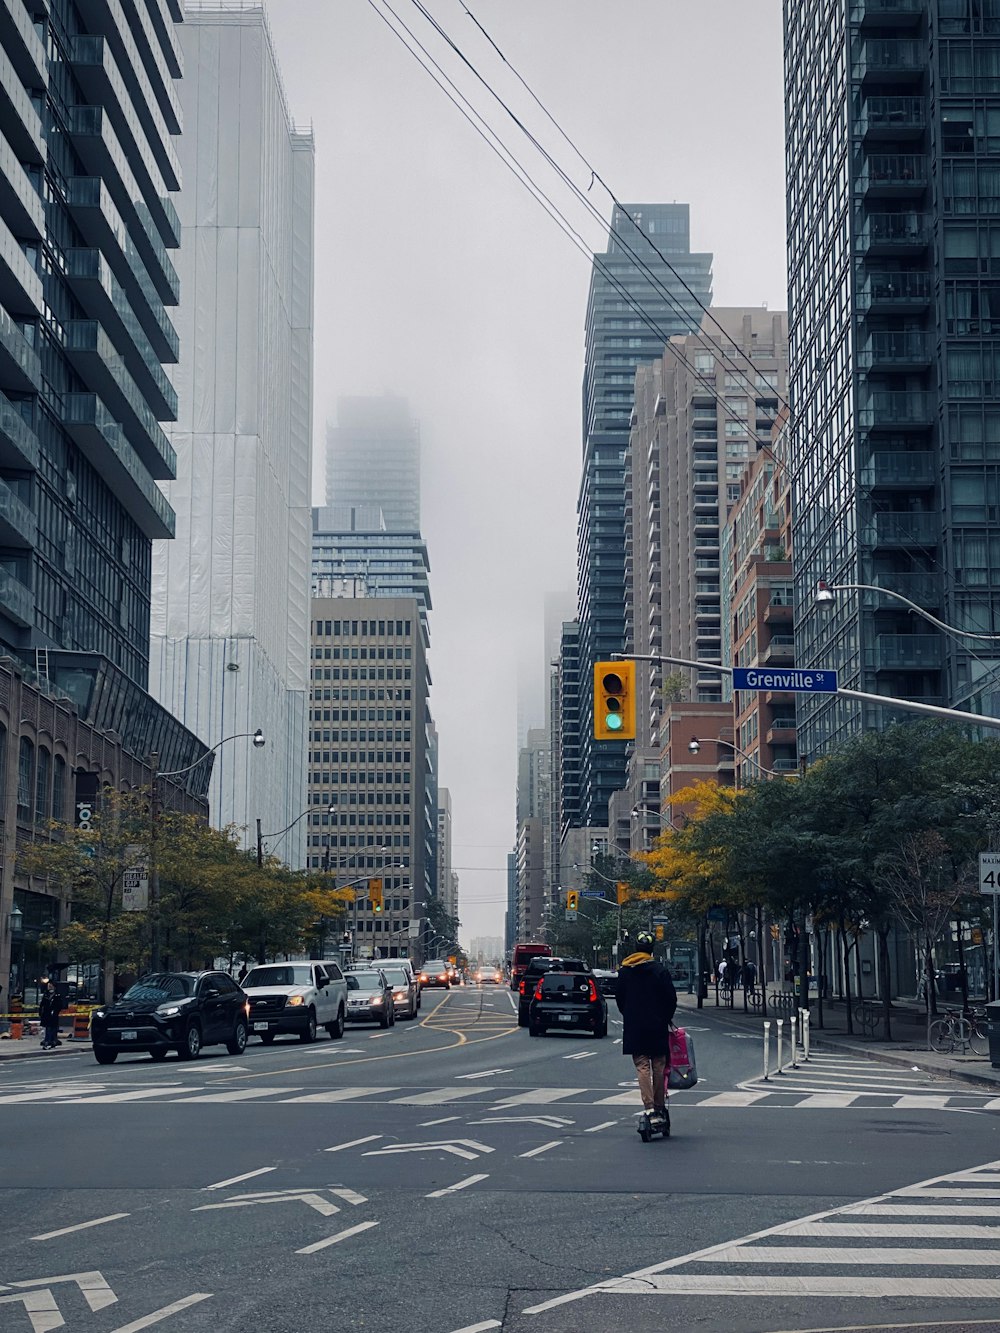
<point x="989" y="872"/>
<point x="799" y="680"/>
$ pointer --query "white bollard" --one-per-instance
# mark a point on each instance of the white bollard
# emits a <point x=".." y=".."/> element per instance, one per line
<point x="791" y="1021"/>
<point x="767" y="1050"/>
<point x="779" y="1069"/>
<point x="804" y="1014"/>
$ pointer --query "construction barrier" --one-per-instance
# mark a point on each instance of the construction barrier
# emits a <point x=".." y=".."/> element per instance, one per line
<point x="81" y="1022"/>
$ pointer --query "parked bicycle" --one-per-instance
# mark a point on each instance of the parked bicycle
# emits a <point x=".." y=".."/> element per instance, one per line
<point x="956" y="1030"/>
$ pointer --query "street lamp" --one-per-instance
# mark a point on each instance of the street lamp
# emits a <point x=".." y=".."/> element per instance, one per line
<point x="330" y="810"/>
<point x="825" y="598"/>
<point x="154" y="816"/>
<point x="694" y="745"/>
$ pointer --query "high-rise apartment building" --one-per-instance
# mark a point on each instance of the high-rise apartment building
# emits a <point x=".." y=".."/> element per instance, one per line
<point x="353" y="555"/>
<point x="368" y="760"/>
<point x="636" y="302"/>
<point x="231" y="613"/>
<point x="893" y="166"/>
<point x="446" y="878"/>
<point x="373" y="458"/>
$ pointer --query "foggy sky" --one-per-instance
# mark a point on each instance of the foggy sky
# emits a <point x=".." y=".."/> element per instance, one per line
<point x="439" y="278"/>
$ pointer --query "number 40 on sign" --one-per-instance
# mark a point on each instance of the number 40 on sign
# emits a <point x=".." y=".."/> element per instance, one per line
<point x="989" y="872"/>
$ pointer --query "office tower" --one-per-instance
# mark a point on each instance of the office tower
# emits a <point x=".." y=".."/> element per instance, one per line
<point x="88" y="165"/>
<point x="373" y="458"/>
<point x="893" y="196"/>
<point x="445" y="874"/>
<point x="354" y="555"/>
<point x="636" y="302"/>
<point x="368" y="760"/>
<point x="231" y="613"/>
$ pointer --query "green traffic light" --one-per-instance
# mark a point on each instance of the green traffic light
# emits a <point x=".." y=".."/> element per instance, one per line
<point x="613" y="721"/>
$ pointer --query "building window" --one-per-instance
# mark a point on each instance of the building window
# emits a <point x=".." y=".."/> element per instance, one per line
<point x="25" y="772"/>
<point x="43" y="777"/>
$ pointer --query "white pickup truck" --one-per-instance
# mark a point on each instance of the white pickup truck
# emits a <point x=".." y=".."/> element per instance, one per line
<point x="295" y="997"/>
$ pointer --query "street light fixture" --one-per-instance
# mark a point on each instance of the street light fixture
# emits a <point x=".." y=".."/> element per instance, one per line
<point x="330" y="810"/>
<point x="694" y="746"/>
<point x="154" y="815"/>
<point x="825" y="597"/>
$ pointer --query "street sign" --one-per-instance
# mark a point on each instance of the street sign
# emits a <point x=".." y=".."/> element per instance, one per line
<point x="798" y="680"/>
<point x="135" y="880"/>
<point x="661" y="921"/>
<point x="570" y="913"/>
<point x="592" y="893"/>
<point x="989" y="872"/>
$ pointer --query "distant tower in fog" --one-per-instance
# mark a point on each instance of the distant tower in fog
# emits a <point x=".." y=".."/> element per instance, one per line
<point x="373" y="458"/>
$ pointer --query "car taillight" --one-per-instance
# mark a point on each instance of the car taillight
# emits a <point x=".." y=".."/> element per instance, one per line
<point x="593" y="991"/>
<point x="538" y="991"/>
<point x="520" y="989"/>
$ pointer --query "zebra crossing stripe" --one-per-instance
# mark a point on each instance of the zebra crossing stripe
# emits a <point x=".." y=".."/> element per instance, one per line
<point x="918" y="1210"/>
<point x="728" y="1098"/>
<point x="725" y="1284"/>
<point x="776" y="1255"/>
<point x="889" y="1230"/>
<point x="826" y="1100"/>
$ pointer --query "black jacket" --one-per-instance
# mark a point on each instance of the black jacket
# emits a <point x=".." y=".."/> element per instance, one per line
<point x="646" y="997"/>
<point x="48" y="1007"/>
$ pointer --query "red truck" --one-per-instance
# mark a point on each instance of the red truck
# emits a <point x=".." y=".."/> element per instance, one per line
<point x="522" y="956"/>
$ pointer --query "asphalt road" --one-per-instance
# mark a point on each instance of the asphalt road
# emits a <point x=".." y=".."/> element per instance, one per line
<point x="454" y="1173"/>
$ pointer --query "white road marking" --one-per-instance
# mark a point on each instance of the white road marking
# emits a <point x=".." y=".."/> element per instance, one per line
<point x="457" y="1147"/>
<point x="485" y="1073"/>
<point x="96" y="1291"/>
<point x="80" y="1226"/>
<point x="546" y="1121"/>
<point x="733" y="1099"/>
<point x="917" y="1210"/>
<point x="175" y="1307"/>
<point x="309" y="1197"/>
<point x="339" y="1095"/>
<point x="438" y="1096"/>
<point x="851" y="1255"/>
<point x="353" y="1143"/>
<point x="234" y="1095"/>
<point x="459" y="1185"/>
<point x="137" y="1095"/>
<point x="605" y="1124"/>
<point x="480" y="1328"/>
<point x="580" y="1055"/>
<point x="717" y="1284"/>
<point x="538" y="1097"/>
<point x="334" y="1240"/>
<point x="902" y="1230"/>
<point x="826" y="1100"/>
<point x="444" y="1120"/>
<point x="921" y="1103"/>
<point x="536" y="1152"/>
<point x="349" y="1196"/>
<point x="236" y="1180"/>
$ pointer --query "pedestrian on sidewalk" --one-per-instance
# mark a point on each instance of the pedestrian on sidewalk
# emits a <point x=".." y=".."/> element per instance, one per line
<point x="645" y="996"/>
<point x="48" y="1015"/>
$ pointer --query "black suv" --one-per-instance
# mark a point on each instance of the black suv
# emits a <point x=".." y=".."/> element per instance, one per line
<point x="181" y="1011"/>
<point x="537" y="967"/>
<point x="567" y="1000"/>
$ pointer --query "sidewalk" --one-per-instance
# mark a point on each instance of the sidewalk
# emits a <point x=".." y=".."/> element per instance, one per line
<point x="908" y="1047"/>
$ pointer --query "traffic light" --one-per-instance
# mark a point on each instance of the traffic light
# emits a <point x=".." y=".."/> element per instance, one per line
<point x="621" y="892"/>
<point x="775" y="931"/>
<point x="659" y="932"/>
<point x="614" y="701"/>
<point x="572" y="900"/>
<point x="375" y="895"/>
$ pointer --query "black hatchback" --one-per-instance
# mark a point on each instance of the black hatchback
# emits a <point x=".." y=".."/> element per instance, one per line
<point x="567" y="1000"/>
<point x="180" y="1011"/>
<point x="536" y="968"/>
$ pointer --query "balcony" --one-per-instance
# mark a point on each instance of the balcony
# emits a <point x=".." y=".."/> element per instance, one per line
<point x="102" y="226"/>
<point x="779" y="613"/>
<point x="102" y="368"/>
<point x="888" y="60"/>
<point x="20" y="285"/>
<point x="17" y="602"/>
<point x="889" y="409"/>
<point x="784" y="765"/>
<point x="779" y="699"/>
<point x="897" y="470"/>
<point x="781" y="731"/>
<point x="924" y="589"/>
<point x="20" y="120"/>
<point x="103" y="441"/>
<point x="906" y="652"/>
<point x="892" y="118"/>
<point x="896" y="349"/>
<point x="896" y="530"/>
<point x="892" y="175"/>
<point x="18" y="525"/>
<point x="904" y="292"/>
<point x="20" y="203"/>
<point x="19" y="450"/>
<point x="780" y="649"/>
<point x="882" y="235"/>
<point x="22" y="44"/>
<point x="102" y="296"/>
<point x="148" y="72"/>
<point x="886" y="13"/>
<point x="20" y="368"/>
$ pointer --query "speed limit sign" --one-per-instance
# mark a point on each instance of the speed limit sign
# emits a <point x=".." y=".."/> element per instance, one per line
<point x="989" y="872"/>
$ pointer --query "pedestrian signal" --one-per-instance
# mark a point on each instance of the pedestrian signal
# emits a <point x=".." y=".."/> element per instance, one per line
<point x="614" y="701"/>
<point x="572" y="900"/>
<point x="775" y="932"/>
<point x="375" y="894"/>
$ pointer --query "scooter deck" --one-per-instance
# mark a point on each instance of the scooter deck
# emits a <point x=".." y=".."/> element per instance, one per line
<point x="647" y="1131"/>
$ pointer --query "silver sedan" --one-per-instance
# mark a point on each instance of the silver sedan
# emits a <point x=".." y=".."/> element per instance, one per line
<point x="405" y="992"/>
<point x="369" y="998"/>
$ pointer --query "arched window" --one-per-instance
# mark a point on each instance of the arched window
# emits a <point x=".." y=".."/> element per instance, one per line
<point x="59" y="788"/>
<point x="25" y="773"/>
<point x="43" y="778"/>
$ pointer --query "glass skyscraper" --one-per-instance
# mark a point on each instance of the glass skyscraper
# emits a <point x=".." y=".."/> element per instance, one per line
<point x="893" y="164"/>
<point x="635" y="304"/>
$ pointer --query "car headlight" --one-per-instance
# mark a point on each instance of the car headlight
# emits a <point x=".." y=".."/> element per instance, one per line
<point x="377" y="999"/>
<point x="400" y="995"/>
<point x="293" y="1001"/>
<point x="98" y="1013"/>
<point x="168" y="1010"/>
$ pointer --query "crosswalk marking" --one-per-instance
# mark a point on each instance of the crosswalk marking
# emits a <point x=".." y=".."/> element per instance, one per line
<point x="828" y="1100"/>
<point x="678" y="1284"/>
<point x="919" y="1210"/>
<point x="889" y="1230"/>
<point x="540" y="1096"/>
<point x="728" y="1098"/>
<point x="439" y="1096"/>
<point x="340" y="1095"/>
<point x="873" y="1254"/>
<point x="233" y="1095"/>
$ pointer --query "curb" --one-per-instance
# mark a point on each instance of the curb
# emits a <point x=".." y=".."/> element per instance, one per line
<point x="33" y="1052"/>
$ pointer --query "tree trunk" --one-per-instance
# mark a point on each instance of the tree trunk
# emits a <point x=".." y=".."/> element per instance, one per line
<point x="930" y="981"/>
<point x="845" y="954"/>
<point x="886" y="979"/>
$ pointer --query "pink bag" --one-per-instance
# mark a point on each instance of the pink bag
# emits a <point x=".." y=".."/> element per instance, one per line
<point x="682" y="1072"/>
<point x="678" y="1047"/>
